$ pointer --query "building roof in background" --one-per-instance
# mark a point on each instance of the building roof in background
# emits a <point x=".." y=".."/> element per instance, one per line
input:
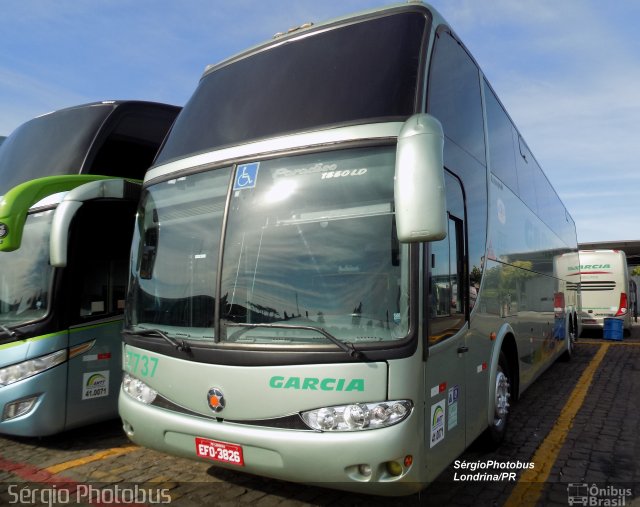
<point x="630" y="248"/>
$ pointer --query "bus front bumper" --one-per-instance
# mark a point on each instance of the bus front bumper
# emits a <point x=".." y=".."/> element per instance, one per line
<point x="42" y="401"/>
<point x="596" y="322"/>
<point x="354" y="461"/>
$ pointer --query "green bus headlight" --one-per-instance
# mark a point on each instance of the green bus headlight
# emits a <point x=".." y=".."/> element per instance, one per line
<point x="138" y="390"/>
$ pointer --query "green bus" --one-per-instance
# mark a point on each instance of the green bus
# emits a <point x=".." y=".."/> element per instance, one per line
<point x="70" y="183"/>
<point x="343" y="265"/>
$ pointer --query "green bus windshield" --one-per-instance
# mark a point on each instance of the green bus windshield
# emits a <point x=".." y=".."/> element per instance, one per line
<point x="26" y="275"/>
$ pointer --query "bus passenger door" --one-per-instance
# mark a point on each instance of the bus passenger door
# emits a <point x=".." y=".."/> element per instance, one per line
<point x="96" y="282"/>
<point x="446" y="303"/>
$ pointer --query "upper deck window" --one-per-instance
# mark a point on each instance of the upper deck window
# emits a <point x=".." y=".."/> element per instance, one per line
<point x="454" y="95"/>
<point x="52" y="144"/>
<point x="360" y="72"/>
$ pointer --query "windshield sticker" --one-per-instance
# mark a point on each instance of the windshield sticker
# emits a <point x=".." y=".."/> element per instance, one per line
<point x="299" y="171"/>
<point x="437" y="423"/>
<point x="95" y="385"/>
<point x="326" y="171"/>
<point x="246" y="176"/>
<point x="342" y="174"/>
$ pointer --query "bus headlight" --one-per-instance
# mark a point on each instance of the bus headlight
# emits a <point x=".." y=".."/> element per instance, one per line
<point x="138" y="390"/>
<point x="31" y="367"/>
<point x="358" y="416"/>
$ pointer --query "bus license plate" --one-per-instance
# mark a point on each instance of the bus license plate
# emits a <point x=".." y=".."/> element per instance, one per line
<point x="219" y="451"/>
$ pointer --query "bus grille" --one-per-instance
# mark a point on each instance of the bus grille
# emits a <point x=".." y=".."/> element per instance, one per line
<point x="598" y="285"/>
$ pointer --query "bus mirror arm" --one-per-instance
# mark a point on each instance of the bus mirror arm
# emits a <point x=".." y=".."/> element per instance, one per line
<point x="73" y="201"/>
<point x="15" y="204"/>
<point x="419" y="190"/>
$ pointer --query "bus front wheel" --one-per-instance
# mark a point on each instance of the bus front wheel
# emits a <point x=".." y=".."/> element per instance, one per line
<point x="501" y="402"/>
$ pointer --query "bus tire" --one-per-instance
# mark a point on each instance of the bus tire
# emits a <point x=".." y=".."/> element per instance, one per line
<point x="497" y="430"/>
<point x="571" y="342"/>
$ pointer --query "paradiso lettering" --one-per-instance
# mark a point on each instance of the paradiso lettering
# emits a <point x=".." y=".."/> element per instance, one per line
<point x="316" y="384"/>
<point x="326" y="171"/>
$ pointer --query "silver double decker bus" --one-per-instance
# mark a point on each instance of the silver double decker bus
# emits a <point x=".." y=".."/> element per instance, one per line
<point x="343" y="265"/>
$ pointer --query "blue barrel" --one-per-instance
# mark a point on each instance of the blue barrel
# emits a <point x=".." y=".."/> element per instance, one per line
<point x="613" y="329"/>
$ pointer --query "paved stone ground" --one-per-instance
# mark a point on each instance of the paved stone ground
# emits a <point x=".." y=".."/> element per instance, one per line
<point x="601" y="448"/>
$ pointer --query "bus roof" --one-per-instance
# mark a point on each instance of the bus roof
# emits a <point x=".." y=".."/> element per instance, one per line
<point x="67" y="141"/>
<point x="295" y="32"/>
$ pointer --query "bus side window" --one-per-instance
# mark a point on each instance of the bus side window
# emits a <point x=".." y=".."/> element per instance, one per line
<point x="446" y="287"/>
<point x="131" y="144"/>
<point x="454" y="96"/>
<point x="447" y="281"/>
<point x="103" y="287"/>
<point x="99" y="261"/>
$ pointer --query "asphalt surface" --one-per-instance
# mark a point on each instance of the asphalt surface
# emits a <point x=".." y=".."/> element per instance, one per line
<point x="577" y="430"/>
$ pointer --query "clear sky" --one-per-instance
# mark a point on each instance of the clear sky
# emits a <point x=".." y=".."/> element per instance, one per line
<point x="568" y="72"/>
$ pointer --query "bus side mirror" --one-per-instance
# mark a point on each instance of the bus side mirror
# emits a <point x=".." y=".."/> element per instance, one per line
<point x="15" y="204"/>
<point x="73" y="201"/>
<point x="419" y="190"/>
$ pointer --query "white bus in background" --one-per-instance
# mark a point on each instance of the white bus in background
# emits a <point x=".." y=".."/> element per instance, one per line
<point x="566" y="267"/>
<point x="605" y="288"/>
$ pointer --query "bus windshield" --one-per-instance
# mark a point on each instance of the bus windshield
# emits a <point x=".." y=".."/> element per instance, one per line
<point x="52" y="144"/>
<point x="355" y="73"/>
<point x="175" y="252"/>
<point x="310" y="243"/>
<point x="26" y="275"/>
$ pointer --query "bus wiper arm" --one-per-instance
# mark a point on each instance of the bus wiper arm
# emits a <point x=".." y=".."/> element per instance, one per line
<point x="180" y="345"/>
<point x="11" y="333"/>
<point x="347" y="347"/>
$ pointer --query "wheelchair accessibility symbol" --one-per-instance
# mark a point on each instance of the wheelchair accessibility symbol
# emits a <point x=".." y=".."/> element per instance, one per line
<point x="246" y="176"/>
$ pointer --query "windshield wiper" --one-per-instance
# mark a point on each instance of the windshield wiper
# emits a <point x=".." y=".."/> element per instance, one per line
<point x="11" y="333"/>
<point x="180" y="345"/>
<point x="347" y="347"/>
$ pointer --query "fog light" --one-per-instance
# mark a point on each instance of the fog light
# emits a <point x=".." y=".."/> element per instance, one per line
<point x="128" y="429"/>
<point x="18" y="408"/>
<point x="394" y="468"/>
<point x="364" y="470"/>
